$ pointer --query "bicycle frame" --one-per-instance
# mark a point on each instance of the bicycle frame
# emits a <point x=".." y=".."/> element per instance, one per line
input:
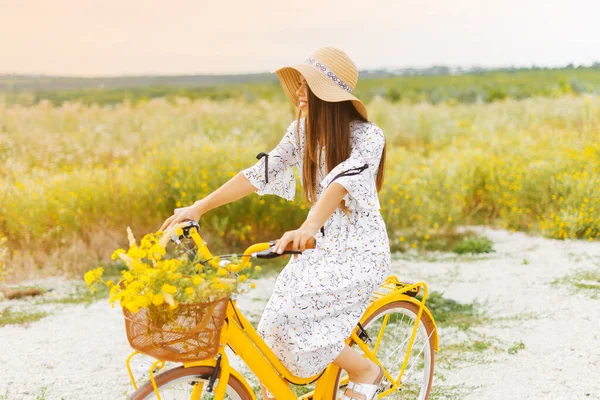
<point x="244" y="341"/>
<point x="242" y="338"/>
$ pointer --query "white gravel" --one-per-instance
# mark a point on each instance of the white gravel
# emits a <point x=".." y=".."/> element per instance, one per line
<point x="79" y="351"/>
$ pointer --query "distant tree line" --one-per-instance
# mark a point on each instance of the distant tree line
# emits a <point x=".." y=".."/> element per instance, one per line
<point x="435" y="85"/>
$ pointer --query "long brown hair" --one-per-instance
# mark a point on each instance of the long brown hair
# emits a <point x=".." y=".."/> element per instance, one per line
<point x="328" y="124"/>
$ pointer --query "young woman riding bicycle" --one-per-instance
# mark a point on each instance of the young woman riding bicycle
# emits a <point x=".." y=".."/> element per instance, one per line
<point x="320" y="295"/>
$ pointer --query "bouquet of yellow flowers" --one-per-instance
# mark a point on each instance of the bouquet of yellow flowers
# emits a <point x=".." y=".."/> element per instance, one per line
<point x="174" y="307"/>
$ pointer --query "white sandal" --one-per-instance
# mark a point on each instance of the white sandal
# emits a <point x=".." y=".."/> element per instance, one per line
<point x="363" y="391"/>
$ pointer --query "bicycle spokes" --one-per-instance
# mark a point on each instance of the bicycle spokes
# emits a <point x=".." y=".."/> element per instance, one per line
<point x="392" y="326"/>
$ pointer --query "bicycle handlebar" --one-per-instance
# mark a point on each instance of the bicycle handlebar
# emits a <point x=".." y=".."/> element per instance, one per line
<point x="270" y="253"/>
<point x="259" y="250"/>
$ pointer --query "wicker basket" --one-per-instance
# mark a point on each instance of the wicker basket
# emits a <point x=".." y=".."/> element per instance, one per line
<point x="190" y="332"/>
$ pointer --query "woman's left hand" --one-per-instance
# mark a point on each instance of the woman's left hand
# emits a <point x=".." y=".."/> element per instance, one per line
<point x="298" y="237"/>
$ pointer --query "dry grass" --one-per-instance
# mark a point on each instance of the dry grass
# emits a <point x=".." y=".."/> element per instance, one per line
<point x="73" y="177"/>
<point x="19" y="293"/>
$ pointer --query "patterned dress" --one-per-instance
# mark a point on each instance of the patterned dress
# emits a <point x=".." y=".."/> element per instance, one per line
<point x="320" y="296"/>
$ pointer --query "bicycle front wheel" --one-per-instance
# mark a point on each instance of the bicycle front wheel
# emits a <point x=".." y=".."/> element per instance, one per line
<point x="390" y="328"/>
<point x="178" y="384"/>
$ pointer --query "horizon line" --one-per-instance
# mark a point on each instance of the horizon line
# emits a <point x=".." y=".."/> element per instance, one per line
<point x="266" y="72"/>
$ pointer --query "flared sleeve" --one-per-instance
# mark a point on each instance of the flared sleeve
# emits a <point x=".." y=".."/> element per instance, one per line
<point x="358" y="173"/>
<point x="273" y="173"/>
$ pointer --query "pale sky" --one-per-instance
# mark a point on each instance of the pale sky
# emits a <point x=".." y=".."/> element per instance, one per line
<point x="116" y="37"/>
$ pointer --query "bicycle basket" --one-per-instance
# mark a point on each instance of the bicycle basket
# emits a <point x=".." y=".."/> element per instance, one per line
<point x="190" y="332"/>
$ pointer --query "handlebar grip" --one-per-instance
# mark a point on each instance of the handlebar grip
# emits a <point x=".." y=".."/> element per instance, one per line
<point x="310" y="244"/>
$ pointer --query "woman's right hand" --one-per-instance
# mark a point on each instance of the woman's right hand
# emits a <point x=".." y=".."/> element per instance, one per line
<point x="193" y="212"/>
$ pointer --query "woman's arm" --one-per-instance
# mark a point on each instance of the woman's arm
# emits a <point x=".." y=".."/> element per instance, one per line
<point x="232" y="190"/>
<point x="326" y="205"/>
<point x="279" y="180"/>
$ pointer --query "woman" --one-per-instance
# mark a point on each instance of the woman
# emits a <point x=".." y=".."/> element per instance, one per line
<point x="320" y="295"/>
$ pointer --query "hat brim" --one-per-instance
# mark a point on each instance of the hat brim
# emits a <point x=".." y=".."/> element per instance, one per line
<point x="319" y="84"/>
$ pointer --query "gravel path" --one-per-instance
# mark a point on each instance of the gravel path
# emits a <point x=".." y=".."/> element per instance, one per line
<point x="78" y="351"/>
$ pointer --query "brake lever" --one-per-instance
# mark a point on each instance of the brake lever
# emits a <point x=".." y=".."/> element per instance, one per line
<point x="186" y="231"/>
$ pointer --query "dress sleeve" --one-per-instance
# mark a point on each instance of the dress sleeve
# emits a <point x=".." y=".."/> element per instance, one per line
<point x="273" y="173"/>
<point x="359" y="172"/>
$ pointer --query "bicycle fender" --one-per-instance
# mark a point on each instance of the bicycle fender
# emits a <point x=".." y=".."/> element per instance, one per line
<point x="243" y="381"/>
<point x="232" y="372"/>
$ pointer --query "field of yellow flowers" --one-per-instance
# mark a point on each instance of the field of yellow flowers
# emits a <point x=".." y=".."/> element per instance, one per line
<point x="73" y="177"/>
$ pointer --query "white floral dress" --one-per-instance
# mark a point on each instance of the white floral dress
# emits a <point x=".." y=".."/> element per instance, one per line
<point x="319" y="297"/>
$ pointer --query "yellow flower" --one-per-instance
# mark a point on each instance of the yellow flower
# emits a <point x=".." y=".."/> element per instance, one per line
<point x="234" y="267"/>
<point x="116" y="253"/>
<point x="197" y="280"/>
<point x="158" y="299"/>
<point x="189" y="291"/>
<point x="170" y="289"/>
<point x="93" y="276"/>
<point x="222" y="272"/>
<point x="242" y="278"/>
<point x="257" y="268"/>
<point x="253" y="285"/>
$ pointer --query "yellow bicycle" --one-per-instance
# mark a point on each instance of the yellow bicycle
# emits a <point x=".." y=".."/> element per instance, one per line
<point x="396" y="331"/>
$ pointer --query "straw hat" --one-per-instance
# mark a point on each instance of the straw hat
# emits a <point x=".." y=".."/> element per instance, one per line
<point x="330" y="74"/>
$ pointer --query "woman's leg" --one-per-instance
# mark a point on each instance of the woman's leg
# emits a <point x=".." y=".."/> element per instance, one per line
<point x="359" y="368"/>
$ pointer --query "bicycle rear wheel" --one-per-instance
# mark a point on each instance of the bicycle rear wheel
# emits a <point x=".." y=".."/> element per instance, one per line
<point x="390" y="328"/>
<point x="178" y="384"/>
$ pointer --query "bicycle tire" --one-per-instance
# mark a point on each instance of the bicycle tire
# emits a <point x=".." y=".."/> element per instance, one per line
<point x="406" y="308"/>
<point x="235" y="389"/>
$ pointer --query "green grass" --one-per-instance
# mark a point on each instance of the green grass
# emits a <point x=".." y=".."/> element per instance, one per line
<point x="474" y="346"/>
<point x="448" y="312"/>
<point x="478" y="348"/>
<point x="460" y="243"/>
<point x="80" y="295"/>
<point x="42" y="395"/>
<point x="475" y="245"/>
<point x="516" y="347"/>
<point x="443" y="242"/>
<point x="481" y="345"/>
<point x="584" y="280"/>
<point x="9" y="317"/>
